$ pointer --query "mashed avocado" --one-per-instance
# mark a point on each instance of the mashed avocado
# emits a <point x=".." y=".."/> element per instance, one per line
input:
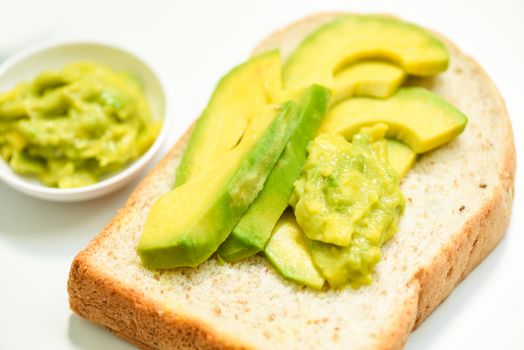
<point x="71" y="126"/>
<point x="348" y="203"/>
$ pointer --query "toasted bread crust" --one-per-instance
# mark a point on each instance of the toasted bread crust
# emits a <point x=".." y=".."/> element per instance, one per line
<point x="480" y="234"/>
<point x="99" y="297"/>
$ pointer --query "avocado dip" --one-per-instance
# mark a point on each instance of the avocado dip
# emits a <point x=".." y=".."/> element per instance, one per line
<point x="70" y="127"/>
<point x="348" y="203"/>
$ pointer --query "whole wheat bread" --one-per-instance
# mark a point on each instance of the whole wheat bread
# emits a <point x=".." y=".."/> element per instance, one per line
<point x="458" y="204"/>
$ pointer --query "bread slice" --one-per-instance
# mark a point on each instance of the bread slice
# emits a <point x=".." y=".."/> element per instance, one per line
<point x="458" y="204"/>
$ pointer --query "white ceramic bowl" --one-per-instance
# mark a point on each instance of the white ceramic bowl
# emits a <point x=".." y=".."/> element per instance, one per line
<point x="30" y="62"/>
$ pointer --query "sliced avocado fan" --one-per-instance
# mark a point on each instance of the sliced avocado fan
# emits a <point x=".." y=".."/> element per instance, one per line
<point x="185" y="226"/>
<point x="353" y="38"/>
<point x="254" y="229"/>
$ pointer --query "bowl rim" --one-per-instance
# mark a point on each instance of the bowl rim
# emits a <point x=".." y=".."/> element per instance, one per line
<point x="19" y="182"/>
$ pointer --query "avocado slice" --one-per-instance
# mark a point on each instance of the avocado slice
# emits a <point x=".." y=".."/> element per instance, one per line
<point x="419" y="118"/>
<point x="185" y="226"/>
<point x="367" y="78"/>
<point x="234" y="249"/>
<point x="400" y="157"/>
<point x="378" y="79"/>
<point x="288" y="253"/>
<point x="352" y="38"/>
<point x="254" y="229"/>
<point x="238" y="97"/>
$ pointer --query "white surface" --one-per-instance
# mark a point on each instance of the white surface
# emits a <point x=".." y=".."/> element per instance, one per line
<point x="192" y="43"/>
<point x="30" y="62"/>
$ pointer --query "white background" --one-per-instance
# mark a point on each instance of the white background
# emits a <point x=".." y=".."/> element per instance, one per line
<point x="191" y="44"/>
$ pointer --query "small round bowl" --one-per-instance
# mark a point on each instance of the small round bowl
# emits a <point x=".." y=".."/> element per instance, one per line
<point x="32" y="61"/>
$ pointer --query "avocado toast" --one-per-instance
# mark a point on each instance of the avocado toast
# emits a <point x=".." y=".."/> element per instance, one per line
<point x="458" y="202"/>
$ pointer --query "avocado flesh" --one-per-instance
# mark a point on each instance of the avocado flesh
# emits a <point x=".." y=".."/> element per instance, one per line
<point x="234" y="249"/>
<point x="353" y="38"/>
<point x="400" y="157"/>
<point x="288" y="253"/>
<point x="367" y="78"/>
<point x="340" y="265"/>
<point x="288" y="239"/>
<point x="254" y="229"/>
<point x="238" y="97"/>
<point x="417" y="117"/>
<point x="182" y="229"/>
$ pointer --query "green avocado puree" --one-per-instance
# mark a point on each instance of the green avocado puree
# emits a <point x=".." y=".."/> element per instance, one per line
<point x="348" y="203"/>
<point x="70" y="127"/>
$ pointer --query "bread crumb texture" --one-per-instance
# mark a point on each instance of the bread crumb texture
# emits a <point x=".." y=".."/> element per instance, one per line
<point x="457" y="209"/>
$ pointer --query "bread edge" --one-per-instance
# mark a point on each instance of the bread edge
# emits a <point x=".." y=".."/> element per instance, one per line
<point x="96" y="296"/>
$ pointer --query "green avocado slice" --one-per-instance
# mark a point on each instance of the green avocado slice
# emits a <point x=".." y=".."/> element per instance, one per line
<point x="185" y="226"/>
<point x="234" y="249"/>
<point x="419" y="118"/>
<point x="238" y="97"/>
<point x="367" y="78"/>
<point x="353" y="38"/>
<point x="373" y="78"/>
<point x="288" y="253"/>
<point x="400" y="157"/>
<point x="254" y="229"/>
